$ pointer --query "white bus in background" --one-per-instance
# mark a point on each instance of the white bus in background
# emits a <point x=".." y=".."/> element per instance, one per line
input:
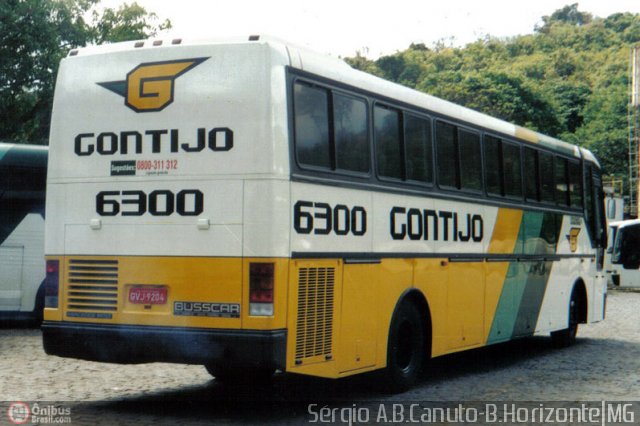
<point x="623" y="254"/>
<point x="23" y="171"/>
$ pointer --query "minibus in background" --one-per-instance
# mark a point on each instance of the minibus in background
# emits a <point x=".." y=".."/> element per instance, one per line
<point x="623" y="254"/>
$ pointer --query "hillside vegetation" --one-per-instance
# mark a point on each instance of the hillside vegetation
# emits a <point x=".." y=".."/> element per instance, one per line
<point x="570" y="79"/>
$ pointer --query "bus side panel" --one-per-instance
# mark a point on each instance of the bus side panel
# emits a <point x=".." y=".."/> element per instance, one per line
<point x="527" y="276"/>
<point x="22" y="265"/>
<point x="574" y="264"/>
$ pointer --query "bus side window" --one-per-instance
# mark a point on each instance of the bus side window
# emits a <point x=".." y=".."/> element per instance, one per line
<point x="547" y="190"/>
<point x="575" y="184"/>
<point x="561" y="181"/>
<point x="627" y="247"/>
<point x="311" y="115"/>
<point x="502" y="168"/>
<point x="600" y="218"/>
<point x="589" y="213"/>
<point x="388" y="142"/>
<point x="493" y="165"/>
<point x="532" y="183"/>
<point x="512" y="170"/>
<point x="470" y="160"/>
<point x="351" y="138"/>
<point x="419" y="148"/>
<point x="447" y="154"/>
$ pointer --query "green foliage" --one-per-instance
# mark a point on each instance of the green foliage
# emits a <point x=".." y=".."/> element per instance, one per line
<point x="34" y="36"/>
<point x="569" y="79"/>
<point x="128" y="22"/>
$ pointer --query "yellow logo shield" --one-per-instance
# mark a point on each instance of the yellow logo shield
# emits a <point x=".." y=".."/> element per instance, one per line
<point x="150" y="86"/>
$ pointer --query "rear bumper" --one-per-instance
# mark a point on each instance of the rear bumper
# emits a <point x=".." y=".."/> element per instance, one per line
<point x="129" y="344"/>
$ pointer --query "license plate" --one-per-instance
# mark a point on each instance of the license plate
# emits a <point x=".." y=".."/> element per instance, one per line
<point x="148" y="295"/>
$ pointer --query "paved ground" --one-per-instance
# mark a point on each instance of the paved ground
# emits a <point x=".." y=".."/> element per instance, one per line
<point x="604" y="364"/>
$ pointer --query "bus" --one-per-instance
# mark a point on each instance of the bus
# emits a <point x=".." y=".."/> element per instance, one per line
<point x="252" y="206"/>
<point x="622" y="263"/>
<point x="23" y="174"/>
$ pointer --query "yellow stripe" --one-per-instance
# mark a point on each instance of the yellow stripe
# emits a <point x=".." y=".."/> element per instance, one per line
<point x="505" y="231"/>
<point x="504" y="239"/>
<point x="527" y="135"/>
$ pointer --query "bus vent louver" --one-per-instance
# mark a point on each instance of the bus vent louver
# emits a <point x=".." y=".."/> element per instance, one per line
<point x="314" y="327"/>
<point x="92" y="285"/>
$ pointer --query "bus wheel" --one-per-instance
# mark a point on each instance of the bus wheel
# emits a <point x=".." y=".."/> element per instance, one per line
<point x="240" y="374"/>
<point x="567" y="337"/>
<point x="406" y="348"/>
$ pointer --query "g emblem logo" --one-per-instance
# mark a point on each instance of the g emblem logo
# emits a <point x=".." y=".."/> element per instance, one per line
<point x="150" y="86"/>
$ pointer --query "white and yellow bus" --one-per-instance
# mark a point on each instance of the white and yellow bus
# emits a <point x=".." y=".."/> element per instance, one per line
<point x="251" y="206"/>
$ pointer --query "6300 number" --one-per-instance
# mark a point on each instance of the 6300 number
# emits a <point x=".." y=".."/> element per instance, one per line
<point x="188" y="202"/>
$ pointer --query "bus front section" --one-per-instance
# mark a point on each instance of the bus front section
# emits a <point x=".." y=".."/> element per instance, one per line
<point x="165" y="167"/>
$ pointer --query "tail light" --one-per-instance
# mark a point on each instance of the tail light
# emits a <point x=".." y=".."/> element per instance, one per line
<point x="261" y="283"/>
<point x="52" y="284"/>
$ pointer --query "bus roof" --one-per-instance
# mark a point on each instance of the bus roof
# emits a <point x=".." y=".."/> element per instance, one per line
<point x="338" y="70"/>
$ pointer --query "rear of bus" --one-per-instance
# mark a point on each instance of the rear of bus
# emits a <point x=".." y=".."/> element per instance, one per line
<point x="168" y="209"/>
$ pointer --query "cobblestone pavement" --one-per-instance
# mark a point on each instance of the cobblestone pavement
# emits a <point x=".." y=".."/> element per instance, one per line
<point x="603" y="364"/>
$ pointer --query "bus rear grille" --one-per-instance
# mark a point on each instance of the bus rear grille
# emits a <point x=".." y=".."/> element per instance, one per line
<point x="314" y="327"/>
<point x="92" y="285"/>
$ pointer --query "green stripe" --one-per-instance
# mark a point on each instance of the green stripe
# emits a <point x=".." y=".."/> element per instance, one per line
<point x="525" y="284"/>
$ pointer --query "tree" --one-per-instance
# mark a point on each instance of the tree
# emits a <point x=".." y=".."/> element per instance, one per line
<point x="568" y="79"/>
<point x="34" y="36"/>
<point x="128" y="22"/>
<point x="567" y="15"/>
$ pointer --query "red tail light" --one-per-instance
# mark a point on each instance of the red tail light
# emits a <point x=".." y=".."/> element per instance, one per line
<point x="52" y="284"/>
<point x="261" y="288"/>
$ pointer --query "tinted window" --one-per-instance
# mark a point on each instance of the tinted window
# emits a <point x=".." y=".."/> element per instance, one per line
<point x="562" y="183"/>
<point x="312" y="125"/>
<point x="512" y="170"/>
<point x="547" y="190"/>
<point x="589" y="213"/>
<point x="492" y="165"/>
<point x="350" y="127"/>
<point x="531" y="173"/>
<point x="387" y="135"/>
<point x="418" y="146"/>
<point x="447" y="154"/>
<point x="470" y="161"/>
<point x="575" y="184"/>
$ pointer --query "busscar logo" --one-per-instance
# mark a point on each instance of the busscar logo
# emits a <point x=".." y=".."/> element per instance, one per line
<point x="150" y="86"/>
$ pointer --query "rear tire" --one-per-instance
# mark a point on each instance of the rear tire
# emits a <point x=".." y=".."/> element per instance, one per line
<point x="406" y="348"/>
<point x="567" y="337"/>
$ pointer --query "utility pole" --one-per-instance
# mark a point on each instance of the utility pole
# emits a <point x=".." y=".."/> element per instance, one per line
<point x="634" y="133"/>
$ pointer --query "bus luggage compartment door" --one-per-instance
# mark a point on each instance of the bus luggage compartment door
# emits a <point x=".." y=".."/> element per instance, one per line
<point x="11" y="263"/>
